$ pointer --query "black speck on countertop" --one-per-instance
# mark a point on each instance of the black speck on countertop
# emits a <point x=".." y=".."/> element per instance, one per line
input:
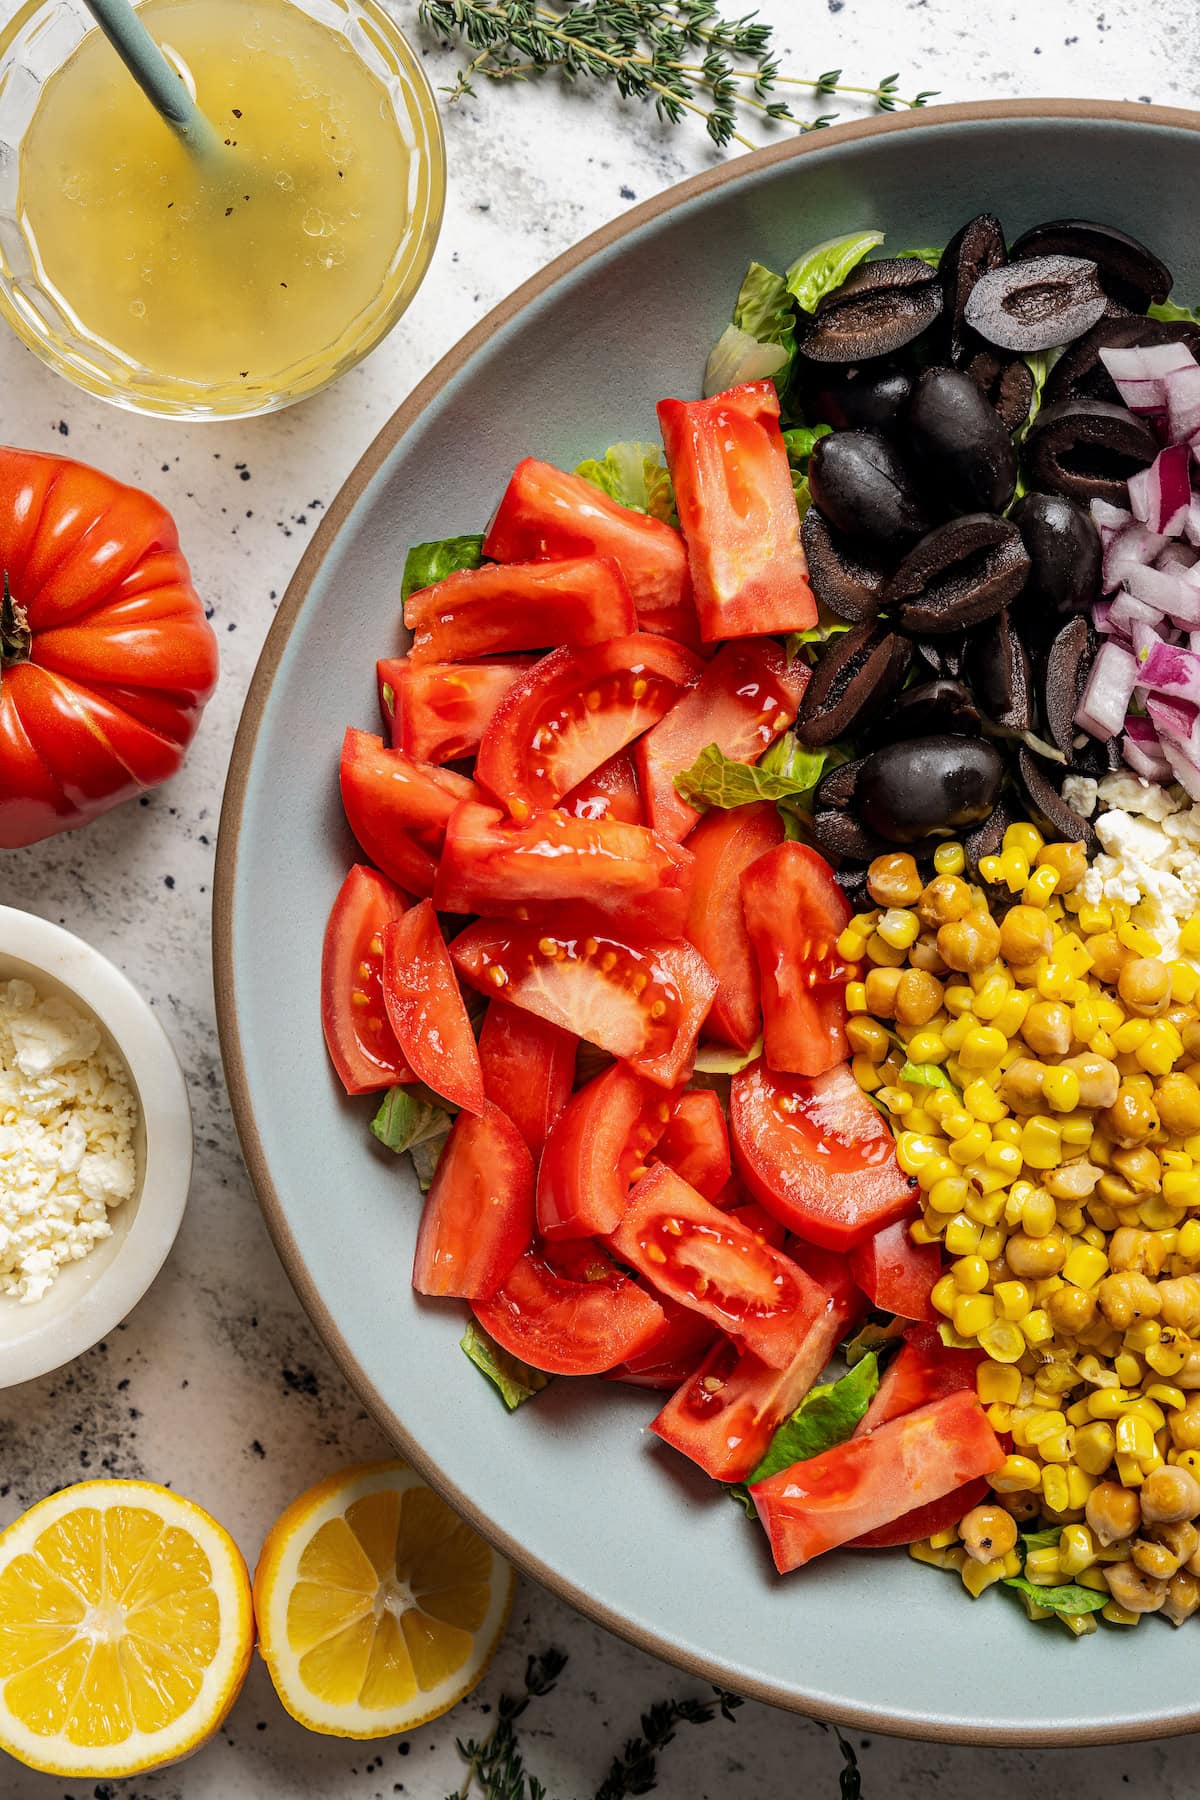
<point x="300" y="1381"/>
<point x="627" y="193"/>
<point x="64" y="430"/>
<point x="169" y="882"/>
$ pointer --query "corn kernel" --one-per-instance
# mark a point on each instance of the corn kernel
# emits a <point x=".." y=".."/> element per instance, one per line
<point x="996" y="1384"/>
<point x="1085" y="1266"/>
<point x="1128" y="1369"/>
<point x="1189" y="936"/>
<point x="1061" y="1088"/>
<point x="1165" y="1359"/>
<point x="1004" y="1158"/>
<point x="949" y="858"/>
<point x="1055" y="1490"/>
<point x="856" y="997"/>
<point x="927" y="1047"/>
<point x="983" y="1102"/>
<point x="1079" y="1486"/>
<point x="1108" y="1402"/>
<point x="972" y="1312"/>
<point x="1076" y="1548"/>
<point x="1189" y="1239"/>
<point x="1094" y="918"/>
<point x="1008" y="1131"/>
<point x="1128" y="1036"/>
<point x="998" y="1416"/>
<point x="1165" y="1395"/>
<point x="1135" y="1438"/>
<point x="865" y="1074"/>
<point x="1161" y="1049"/>
<point x="1044" y="1566"/>
<point x="913" y="1151"/>
<point x="1011" y="1015"/>
<point x="1185" y="982"/>
<point x="1139" y="1337"/>
<point x="961" y="1237"/>
<point x="958" y="1001"/>
<point x="991" y="1242"/>
<point x="944" y="1294"/>
<point x="1003" y="1342"/>
<point x="1119" y="1615"/>
<point x="1182" y="1187"/>
<point x="899" y="928"/>
<point x="1041" y="1143"/>
<point x="1039" y="1214"/>
<point x="1037" y="1327"/>
<point x="1094" y="1446"/>
<point x="949" y="1195"/>
<point x="1079" y="1624"/>
<point x="1040" y="887"/>
<point x="983" y="1047"/>
<point x="850" y="946"/>
<point x="1016" y="1475"/>
<point x="971" y="1146"/>
<point x="1138" y="940"/>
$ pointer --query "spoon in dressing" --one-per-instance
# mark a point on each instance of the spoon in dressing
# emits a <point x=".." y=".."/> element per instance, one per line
<point x="155" y="75"/>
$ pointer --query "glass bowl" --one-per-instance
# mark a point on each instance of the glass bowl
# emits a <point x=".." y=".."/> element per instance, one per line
<point x="33" y="47"/>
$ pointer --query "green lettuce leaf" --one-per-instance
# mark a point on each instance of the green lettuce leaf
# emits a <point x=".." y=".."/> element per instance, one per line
<point x="427" y="563"/>
<point x="719" y="1059"/>
<point x="764" y="307"/>
<point x="825" y="1417"/>
<point x="409" y="1115"/>
<point x="633" y="475"/>
<point x="799" y="441"/>
<point x="514" y="1381"/>
<point x="713" y="780"/>
<point x="737" y="357"/>
<point x="760" y="340"/>
<point x="823" y="268"/>
<point x="1069" y="1599"/>
<point x="932" y="257"/>
<point x="877" y="1335"/>
<point x="952" y="1339"/>
<point x="927" y="1075"/>
<point x="806" y="643"/>
<point x="1167" y="309"/>
<point x="1041" y="1540"/>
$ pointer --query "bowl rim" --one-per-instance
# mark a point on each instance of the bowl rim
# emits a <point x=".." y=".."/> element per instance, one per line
<point x="101" y="990"/>
<point x="791" y="1699"/>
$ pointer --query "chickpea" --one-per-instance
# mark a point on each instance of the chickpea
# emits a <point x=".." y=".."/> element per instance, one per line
<point x="1127" y="1297"/>
<point x="1099" y="1081"/>
<point x="1068" y="860"/>
<point x="1168" y="1495"/>
<point x="1071" y="1309"/>
<point x="1036" y="1258"/>
<point x="1021" y="1085"/>
<point x="1022" y="1505"/>
<point x="1135" y="1591"/>
<point x="894" y="880"/>
<point x="882" y="986"/>
<point x="924" y="954"/>
<point x="1025" y="934"/>
<point x="867" y="1037"/>
<point x="1178" y="1100"/>
<point x="1153" y="1558"/>
<point x="1131" y="1118"/>
<point x="988" y="1532"/>
<point x="1183" y="1597"/>
<point x="1140" y="1168"/>
<point x="1191" y="1038"/>
<point x="1181" y="1303"/>
<point x="1130" y="1248"/>
<point x="944" y="900"/>
<point x="1184" y="1425"/>
<point x="970" y="943"/>
<point x="918" y="998"/>
<point x="1113" y="1512"/>
<point x="1047" y="1024"/>
<point x="1109" y="957"/>
<point x="1144" y="984"/>
<point x="1074" y="1181"/>
<point x="1188" y="1378"/>
<point x="1181" y="1536"/>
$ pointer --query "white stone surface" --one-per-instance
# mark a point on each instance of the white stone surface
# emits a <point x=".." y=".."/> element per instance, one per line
<point x="217" y="1384"/>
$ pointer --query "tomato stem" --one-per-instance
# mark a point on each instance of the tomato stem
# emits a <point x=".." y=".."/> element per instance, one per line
<point x="16" y="638"/>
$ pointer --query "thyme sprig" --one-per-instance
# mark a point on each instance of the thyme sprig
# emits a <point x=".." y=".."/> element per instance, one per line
<point x="635" y="1770"/>
<point x="681" y="55"/>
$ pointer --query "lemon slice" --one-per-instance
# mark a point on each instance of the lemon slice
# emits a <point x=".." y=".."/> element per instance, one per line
<point x="377" y="1608"/>
<point x="126" y="1629"/>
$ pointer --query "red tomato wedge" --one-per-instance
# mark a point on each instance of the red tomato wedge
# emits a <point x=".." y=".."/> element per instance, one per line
<point x="362" y="1045"/>
<point x="574" y="710"/>
<point x="672" y="1355"/>
<point x="733" y="491"/>
<point x="795" y="911"/>
<point x="924" y="1370"/>
<point x="547" y="514"/>
<point x="702" y="1258"/>
<point x="596" y="1149"/>
<point x="644" y="1003"/>
<point x="745" y="698"/>
<point x="425" y="1009"/>
<point x="722" y="845"/>
<point x="696" y="1142"/>
<point x="753" y="1217"/>
<point x="478" y="1216"/>
<point x="398" y="808"/>
<point x="924" y="1521"/>
<point x="897" y="1275"/>
<point x="495" y="866"/>
<point x="570" y="1312"/>
<point x="869" y="1481"/>
<point x="817" y="1154"/>
<point x="438" y="712"/>
<point x="832" y="1270"/>
<point x="528" y="1069"/>
<point x="609" y="792"/>
<point x="725" y="1415"/>
<point x="518" y="606"/>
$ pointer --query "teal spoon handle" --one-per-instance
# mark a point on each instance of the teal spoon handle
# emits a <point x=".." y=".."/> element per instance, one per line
<point x="160" y="83"/>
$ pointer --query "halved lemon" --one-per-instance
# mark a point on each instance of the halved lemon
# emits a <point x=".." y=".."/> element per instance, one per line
<point x="377" y="1608"/>
<point x="126" y="1629"/>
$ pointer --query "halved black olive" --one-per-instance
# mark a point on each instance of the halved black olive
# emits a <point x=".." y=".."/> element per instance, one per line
<point x="1091" y="757"/>
<point x="1065" y="563"/>
<point x="865" y="397"/>
<point x="1068" y="662"/>
<point x="1037" y="304"/>
<point x="844" y="581"/>
<point x="1050" y="810"/>
<point x="1007" y="384"/>
<point x="1079" y="373"/>
<point x="929" y="709"/>
<point x="975" y="250"/>
<point x="1128" y="271"/>
<point x="859" y="483"/>
<point x="835" y="790"/>
<point x="944" y="655"/>
<point x="909" y="790"/>
<point x="861" y="669"/>
<point x="964" y="450"/>
<point x="1087" y="450"/>
<point x="997" y="666"/>
<point x="840" y="834"/>
<point x="880" y="307"/>
<point x="987" y="839"/>
<point x="958" y="575"/>
<point x="852" y="879"/>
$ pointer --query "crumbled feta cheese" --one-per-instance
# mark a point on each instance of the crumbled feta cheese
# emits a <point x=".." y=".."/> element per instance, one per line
<point x="1081" y="793"/>
<point x="67" y="1119"/>
<point x="1151" y="851"/>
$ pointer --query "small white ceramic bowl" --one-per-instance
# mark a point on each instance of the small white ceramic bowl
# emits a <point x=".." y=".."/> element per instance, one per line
<point x="90" y="1298"/>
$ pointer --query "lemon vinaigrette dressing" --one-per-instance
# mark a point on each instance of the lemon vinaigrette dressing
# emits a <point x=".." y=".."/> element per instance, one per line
<point x="258" y="268"/>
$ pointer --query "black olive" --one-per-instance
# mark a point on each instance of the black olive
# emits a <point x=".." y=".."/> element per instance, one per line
<point x="924" y="785"/>
<point x="862" y="488"/>
<point x="861" y="669"/>
<point x="1091" y="757"/>
<point x="845" y="581"/>
<point x="987" y="839"/>
<point x="836" y="787"/>
<point x="1068" y="662"/>
<point x="944" y="655"/>
<point x="1037" y="304"/>
<point x="1007" y="384"/>
<point x="1129" y="273"/>
<point x="997" y="666"/>
<point x="975" y="250"/>
<point x="880" y="307"/>
<point x="964" y="450"/>
<point x="852" y="879"/>
<point x="1065" y="563"/>
<point x="1050" y="810"/>
<point x="839" y="834"/>
<point x="928" y="709"/>
<point x="866" y="397"/>
<point x="958" y="575"/>
<point x="1087" y="450"/>
<point x="1079" y="373"/>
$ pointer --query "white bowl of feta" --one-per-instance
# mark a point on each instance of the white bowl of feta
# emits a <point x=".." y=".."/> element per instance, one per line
<point x="95" y="1146"/>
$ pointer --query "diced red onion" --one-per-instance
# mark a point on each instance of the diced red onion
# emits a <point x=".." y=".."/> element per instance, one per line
<point x="1184" y="768"/>
<point x="1110" y="684"/>
<point x="1166" y="669"/>
<point x="1161" y="495"/>
<point x="1174" y="593"/>
<point x="1175" y="721"/>
<point x="1182" y="389"/>
<point x="1142" y="751"/>
<point x="1191" y="525"/>
<point x="1140" y="373"/>
<point x="1102" y="619"/>
<point x="1176" y="555"/>
<point x="1126" y="611"/>
<point x="1133" y="548"/>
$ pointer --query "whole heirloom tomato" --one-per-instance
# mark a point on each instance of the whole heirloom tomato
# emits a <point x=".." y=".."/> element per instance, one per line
<point x="106" y="658"/>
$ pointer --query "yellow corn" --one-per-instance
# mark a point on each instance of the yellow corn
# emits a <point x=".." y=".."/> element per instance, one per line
<point x="1016" y="1475"/>
<point x="949" y="858"/>
<point x="1085" y="1266"/>
<point x="1041" y="1143"/>
<point x="996" y="1384"/>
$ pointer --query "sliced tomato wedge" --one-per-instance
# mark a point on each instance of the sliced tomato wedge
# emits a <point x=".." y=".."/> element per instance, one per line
<point x="609" y="792"/>
<point x="817" y="1154"/>
<point x="501" y="868"/>
<point x="518" y="606"/>
<point x="574" y="710"/>
<point x="750" y="1214"/>
<point x="425" y="1009"/>
<point x="547" y="514"/>
<point x="897" y="1275"/>
<point x="642" y="1002"/>
<point x="795" y="912"/>
<point x="733" y="492"/>
<point x="703" y="1258"/>
<point x="696" y="1142"/>
<point x="924" y="1370"/>
<point x="597" y="1148"/>
<point x="570" y="1312"/>
<point x="672" y="1355"/>
<point x="528" y="1069"/>
<point x="869" y="1481"/>
<point x="722" y="845"/>
<point x="478" y="1216"/>
<point x="398" y="808"/>
<point x="362" y="1045"/>
<point x="832" y="1270"/>
<point x="745" y="698"/>
<point x="437" y="712"/>
<point x="925" y="1521"/>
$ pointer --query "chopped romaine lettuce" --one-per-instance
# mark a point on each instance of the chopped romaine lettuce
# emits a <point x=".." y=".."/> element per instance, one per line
<point x="932" y="257"/>
<point x="720" y="1059"/>
<point x="1069" y="1600"/>
<point x="787" y="772"/>
<point x="1167" y="309"/>
<point x="427" y="563"/>
<point x="825" y="1417"/>
<point x="799" y="441"/>
<point x="823" y="268"/>
<point x="760" y="340"/>
<point x="411" y="1118"/>
<point x="927" y="1075"/>
<point x="514" y="1381"/>
<point x="634" y="475"/>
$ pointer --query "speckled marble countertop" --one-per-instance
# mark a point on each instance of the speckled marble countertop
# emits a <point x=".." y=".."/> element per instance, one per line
<point x="217" y="1382"/>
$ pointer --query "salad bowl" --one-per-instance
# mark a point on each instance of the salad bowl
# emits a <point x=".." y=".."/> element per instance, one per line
<point x="572" y="1487"/>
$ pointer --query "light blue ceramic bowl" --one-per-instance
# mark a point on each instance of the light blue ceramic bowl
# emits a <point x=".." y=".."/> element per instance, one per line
<point x="572" y="1487"/>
